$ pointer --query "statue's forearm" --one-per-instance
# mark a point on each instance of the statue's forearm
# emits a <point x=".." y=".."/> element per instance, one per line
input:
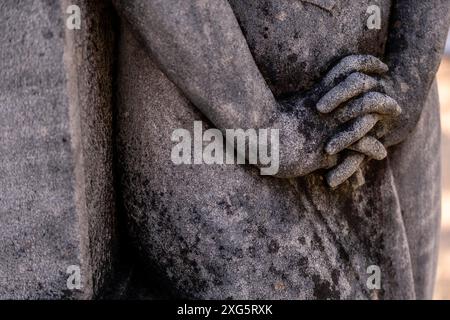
<point x="201" y="48"/>
<point x="416" y="40"/>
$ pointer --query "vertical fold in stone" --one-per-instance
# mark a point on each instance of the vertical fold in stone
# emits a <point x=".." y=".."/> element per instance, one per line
<point x="56" y="183"/>
<point x="89" y="64"/>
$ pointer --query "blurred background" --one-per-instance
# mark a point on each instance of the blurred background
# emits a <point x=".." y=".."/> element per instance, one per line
<point x="442" y="288"/>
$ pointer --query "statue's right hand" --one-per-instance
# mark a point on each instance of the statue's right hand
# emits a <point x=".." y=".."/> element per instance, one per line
<point x="356" y="78"/>
<point x="313" y="136"/>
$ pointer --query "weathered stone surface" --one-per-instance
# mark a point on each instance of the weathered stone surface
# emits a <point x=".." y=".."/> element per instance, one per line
<point x="56" y="198"/>
<point x="225" y="232"/>
<point x="294" y="42"/>
<point x="415" y="161"/>
<point x="310" y="68"/>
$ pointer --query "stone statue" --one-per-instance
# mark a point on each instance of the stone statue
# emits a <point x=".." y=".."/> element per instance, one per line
<point x="352" y="213"/>
<point x="227" y="232"/>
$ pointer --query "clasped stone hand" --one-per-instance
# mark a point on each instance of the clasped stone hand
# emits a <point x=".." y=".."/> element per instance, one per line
<point x="338" y="124"/>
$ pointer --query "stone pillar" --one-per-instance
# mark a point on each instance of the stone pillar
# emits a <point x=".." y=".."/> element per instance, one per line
<point x="56" y="182"/>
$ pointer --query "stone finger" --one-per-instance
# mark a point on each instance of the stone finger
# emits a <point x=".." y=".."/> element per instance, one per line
<point x="354" y="63"/>
<point x="344" y="170"/>
<point x="354" y="132"/>
<point x="371" y="147"/>
<point x="354" y="85"/>
<point x="357" y="179"/>
<point x="371" y="102"/>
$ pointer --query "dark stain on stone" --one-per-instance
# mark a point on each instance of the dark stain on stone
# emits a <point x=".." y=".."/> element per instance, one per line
<point x="303" y="263"/>
<point x="262" y="232"/>
<point x="302" y="240"/>
<point x="318" y="242"/>
<point x="323" y="289"/>
<point x="47" y="34"/>
<point x="335" y="276"/>
<point x="273" y="246"/>
<point x="343" y="254"/>
<point x="292" y="57"/>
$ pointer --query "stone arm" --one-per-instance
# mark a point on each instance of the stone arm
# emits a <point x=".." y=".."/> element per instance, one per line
<point x="200" y="47"/>
<point x="416" y="40"/>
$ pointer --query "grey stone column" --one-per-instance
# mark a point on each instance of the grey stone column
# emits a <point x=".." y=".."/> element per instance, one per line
<point x="56" y="182"/>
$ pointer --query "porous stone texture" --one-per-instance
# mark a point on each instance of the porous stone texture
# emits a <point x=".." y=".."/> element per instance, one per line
<point x="416" y="160"/>
<point x="226" y="232"/>
<point x="56" y="196"/>
<point x="218" y="232"/>
<point x="89" y="64"/>
<point x="293" y="38"/>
